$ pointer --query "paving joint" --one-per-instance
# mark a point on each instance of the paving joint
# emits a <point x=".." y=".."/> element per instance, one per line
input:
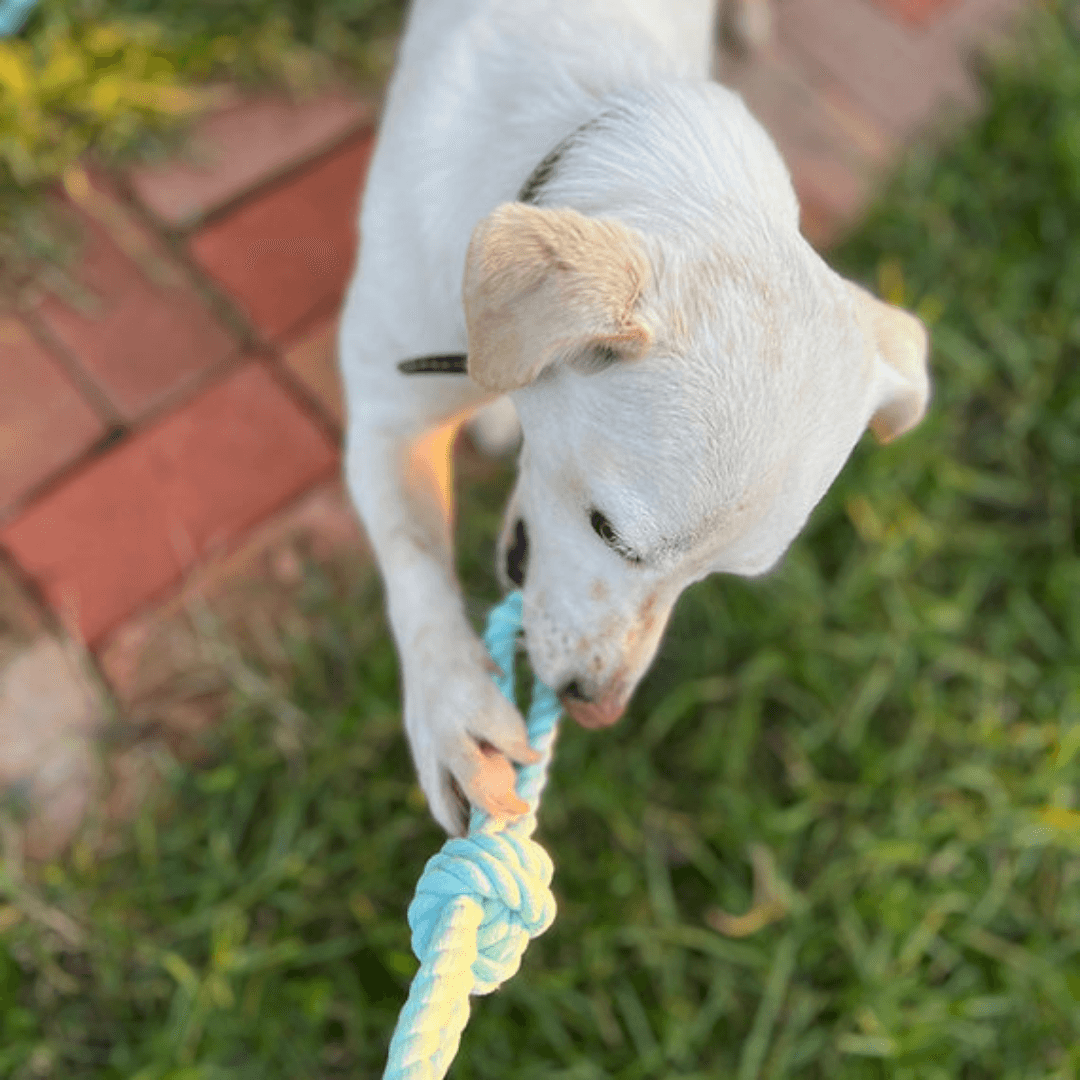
<point x="280" y="178"/>
<point x="306" y="399"/>
<point x="216" y="298"/>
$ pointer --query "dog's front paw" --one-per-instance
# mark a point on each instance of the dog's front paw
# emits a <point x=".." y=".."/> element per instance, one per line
<point x="464" y="735"/>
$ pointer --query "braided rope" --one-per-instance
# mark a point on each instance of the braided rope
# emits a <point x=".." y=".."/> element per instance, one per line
<point x="481" y="898"/>
<point x="13" y="13"/>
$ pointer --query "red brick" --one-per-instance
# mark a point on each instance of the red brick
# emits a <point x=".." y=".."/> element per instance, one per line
<point x="20" y="619"/>
<point x="915" y="12"/>
<point x="817" y="223"/>
<point x="831" y="147"/>
<point x="125" y="529"/>
<point x="244" y="144"/>
<point x="312" y="358"/>
<point x="901" y="78"/>
<point x="44" y="421"/>
<point x="977" y="24"/>
<point x="830" y="187"/>
<point x="161" y="656"/>
<point x="148" y="339"/>
<point x="289" y="251"/>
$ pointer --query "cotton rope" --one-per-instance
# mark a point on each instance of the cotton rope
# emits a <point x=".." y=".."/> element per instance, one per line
<point x="481" y="898"/>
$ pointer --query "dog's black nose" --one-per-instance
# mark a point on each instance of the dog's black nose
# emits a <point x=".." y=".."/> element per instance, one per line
<point x="517" y="557"/>
<point x="573" y="691"/>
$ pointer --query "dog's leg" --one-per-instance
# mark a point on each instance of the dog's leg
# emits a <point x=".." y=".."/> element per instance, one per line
<point x="462" y="731"/>
<point x="495" y="428"/>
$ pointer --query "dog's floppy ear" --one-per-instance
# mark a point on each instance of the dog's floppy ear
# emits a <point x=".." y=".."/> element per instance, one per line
<point x="540" y="284"/>
<point x="902" y="345"/>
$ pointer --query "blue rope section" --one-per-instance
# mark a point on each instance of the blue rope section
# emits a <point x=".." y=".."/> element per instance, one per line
<point x="13" y="13"/>
<point x="481" y="898"/>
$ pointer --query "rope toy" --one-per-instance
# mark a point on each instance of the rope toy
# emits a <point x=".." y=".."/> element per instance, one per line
<point x="482" y="897"/>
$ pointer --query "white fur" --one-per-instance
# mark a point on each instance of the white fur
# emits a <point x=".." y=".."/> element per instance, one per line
<point x="708" y="453"/>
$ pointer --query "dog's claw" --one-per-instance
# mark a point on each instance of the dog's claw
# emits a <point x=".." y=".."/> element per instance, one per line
<point x="491" y="785"/>
<point x="521" y="753"/>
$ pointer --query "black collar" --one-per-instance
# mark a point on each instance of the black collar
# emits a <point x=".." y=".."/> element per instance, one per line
<point x="533" y="188"/>
<point x="453" y="364"/>
<point x="456" y="363"/>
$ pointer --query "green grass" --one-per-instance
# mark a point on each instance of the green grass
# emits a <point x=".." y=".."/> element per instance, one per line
<point x="889" y="725"/>
<point x="122" y="79"/>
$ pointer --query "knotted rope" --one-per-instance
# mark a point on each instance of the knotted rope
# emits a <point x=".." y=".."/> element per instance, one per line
<point x="481" y="898"/>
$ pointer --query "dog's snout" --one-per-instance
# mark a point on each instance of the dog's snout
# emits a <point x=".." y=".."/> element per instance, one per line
<point x="591" y="711"/>
<point x="517" y="557"/>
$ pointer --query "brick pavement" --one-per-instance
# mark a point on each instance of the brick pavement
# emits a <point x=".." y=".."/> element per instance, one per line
<point x="169" y="433"/>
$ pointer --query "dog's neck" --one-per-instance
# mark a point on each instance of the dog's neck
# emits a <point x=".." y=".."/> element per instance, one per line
<point x="679" y="155"/>
<point x="643" y="147"/>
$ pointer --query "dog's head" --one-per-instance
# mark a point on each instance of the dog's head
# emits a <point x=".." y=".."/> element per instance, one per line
<point x="684" y="403"/>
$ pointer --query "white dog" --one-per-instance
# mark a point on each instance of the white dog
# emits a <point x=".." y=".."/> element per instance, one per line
<point x="559" y="193"/>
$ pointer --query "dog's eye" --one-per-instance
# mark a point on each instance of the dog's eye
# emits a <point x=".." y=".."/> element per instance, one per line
<point x="603" y="528"/>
